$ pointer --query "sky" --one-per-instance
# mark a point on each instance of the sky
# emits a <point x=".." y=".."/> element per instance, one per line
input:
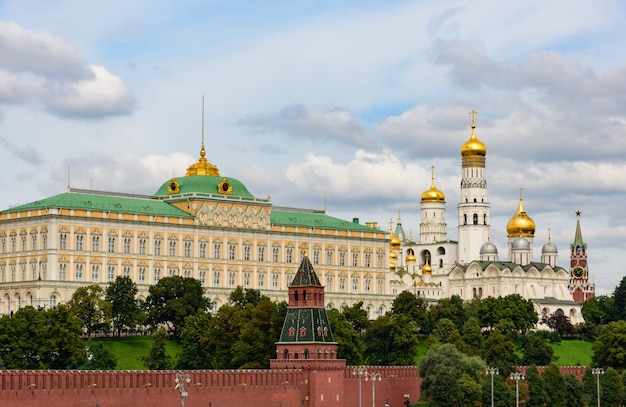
<point x="343" y="105"/>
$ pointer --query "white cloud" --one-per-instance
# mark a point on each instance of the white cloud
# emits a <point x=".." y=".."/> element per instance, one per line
<point x="39" y="67"/>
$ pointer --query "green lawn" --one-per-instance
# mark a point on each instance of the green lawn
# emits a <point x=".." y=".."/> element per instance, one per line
<point x="573" y="353"/>
<point x="129" y="349"/>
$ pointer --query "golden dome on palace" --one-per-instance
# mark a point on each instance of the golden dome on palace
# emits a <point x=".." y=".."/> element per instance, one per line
<point x="433" y="194"/>
<point x="393" y="256"/>
<point x="520" y="224"/>
<point x="202" y="167"/>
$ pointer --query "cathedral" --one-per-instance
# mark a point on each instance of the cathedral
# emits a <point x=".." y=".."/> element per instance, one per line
<point x="435" y="267"/>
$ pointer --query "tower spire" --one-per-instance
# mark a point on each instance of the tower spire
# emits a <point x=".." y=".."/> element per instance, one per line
<point x="578" y="237"/>
<point x="202" y="167"/>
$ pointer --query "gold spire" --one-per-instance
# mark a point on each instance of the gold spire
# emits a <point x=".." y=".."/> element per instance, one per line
<point x="202" y="167"/>
<point x="473" y="147"/>
<point x="520" y="224"/>
<point x="433" y="194"/>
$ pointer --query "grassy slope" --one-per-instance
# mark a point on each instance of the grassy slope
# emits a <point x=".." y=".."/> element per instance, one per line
<point x="128" y="350"/>
<point x="570" y="352"/>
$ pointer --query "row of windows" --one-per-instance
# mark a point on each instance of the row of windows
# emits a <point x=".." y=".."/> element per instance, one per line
<point x="217" y="251"/>
<point x="80" y="274"/>
<point x="36" y="273"/>
<point x="475" y="219"/>
<point x="34" y="243"/>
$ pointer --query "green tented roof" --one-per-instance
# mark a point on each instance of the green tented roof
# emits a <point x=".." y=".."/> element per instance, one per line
<point x="204" y="184"/>
<point x="104" y="202"/>
<point x="305" y="276"/>
<point x="315" y="220"/>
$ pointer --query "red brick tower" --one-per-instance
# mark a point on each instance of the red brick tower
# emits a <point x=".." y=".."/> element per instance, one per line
<point x="580" y="285"/>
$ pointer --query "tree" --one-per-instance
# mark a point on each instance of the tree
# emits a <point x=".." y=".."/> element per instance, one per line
<point x="573" y="391"/>
<point x="619" y="301"/>
<point x="609" y="349"/>
<point x="450" y="378"/>
<point x="451" y="308"/>
<point x="157" y="358"/>
<point x="554" y="385"/>
<point x="391" y="341"/>
<point x="446" y="332"/>
<point x="520" y="311"/>
<point x="490" y="311"/>
<point x="350" y="344"/>
<point x="88" y="304"/>
<point x="499" y="352"/>
<point x="472" y="337"/>
<point x="536" y="390"/>
<point x="125" y="310"/>
<point x="537" y="351"/>
<point x="65" y="347"/>
<point x="357" y="316"/>
<point x="560" y="324"/>
<point x="408" y="304"/>
<point x="598" y="310"/>
<point x="99" y="357"/>
<point x="196" y="350"/>
<point x="173" y="299"/>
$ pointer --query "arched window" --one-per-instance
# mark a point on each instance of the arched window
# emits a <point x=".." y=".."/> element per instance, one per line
<point x="485" y="219"/>
<point x="306" y="353"/>
<point x="475" y="219"/>
<point x="465" y="219"/>
<point x="440" y="263"/>
<point x="286" y="354"/>
<point x="295" y="296"/>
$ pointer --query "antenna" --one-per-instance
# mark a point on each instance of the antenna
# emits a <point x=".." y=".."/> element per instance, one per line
<point x="203" y="121"/>
<point x="68" y="178"/>
<point x="324" y="201"/>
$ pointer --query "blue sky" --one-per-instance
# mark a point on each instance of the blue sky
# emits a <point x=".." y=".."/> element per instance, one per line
<point x="354" y="100"/>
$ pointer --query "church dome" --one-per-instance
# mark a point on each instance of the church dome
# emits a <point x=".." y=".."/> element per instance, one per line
<point x="392" y="265"/>
<point x="488" y="248"/>
<point x="549" y="247"/>
<point x="410" y="258"/>
<point x="520" y="244"/>
<point x="393" y="255"/>
<point x="433" y="194"/>
<point x="473" y="147"/>
<point x="520" y="224"/>
<point x="426" y="269"/>
<point x="395" y="242"/>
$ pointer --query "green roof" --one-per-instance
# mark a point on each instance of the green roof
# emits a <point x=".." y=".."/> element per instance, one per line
<point x="204" y="184"/>
<point x="501" y="265"/>
<point x="286" y="217"/>
<point x="103" y="201"/>
<point x="305" y="276"/>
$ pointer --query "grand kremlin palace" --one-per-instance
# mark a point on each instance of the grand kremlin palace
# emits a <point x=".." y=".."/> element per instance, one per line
<point x="210" y="227"/>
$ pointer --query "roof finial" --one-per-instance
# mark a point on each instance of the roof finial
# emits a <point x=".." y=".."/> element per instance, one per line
<point x="473" y="113"/>
<point x="521" y="192"/>
<point x="399" y="219"/>
<point x="69" y="188"/>
<point x="390" y="224"/>
<point x="202" y="150"/>
<point x="549" y="235"/>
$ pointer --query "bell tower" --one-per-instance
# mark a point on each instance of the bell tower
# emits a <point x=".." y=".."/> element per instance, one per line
<point x="580" y="285"/>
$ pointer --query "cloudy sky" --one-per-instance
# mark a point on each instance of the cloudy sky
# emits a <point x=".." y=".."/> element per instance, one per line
<point x="352" y="100"/>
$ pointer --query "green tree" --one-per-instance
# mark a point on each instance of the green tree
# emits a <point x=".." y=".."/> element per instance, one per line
<point x="350" y="344"/>
<point x="450" y="378"/>
<point x="451" y="308"/>
<point x="99" y="357"/>
<point x="472" y="337"/>
<point x="554" y="384"/>
<point x="446" y="332"/>
<point x="537" y="351"/>
<point x="357" y="316"/>
<point x="21" y="341"/>
<point x="503" y="395"/>
<point x="125" y="309"/>
<point x="499" y="352"/>
<point x="619" y="302"/>
<point x="573" y="391"/>
<point x="391" y="341"/>
<point x="609" y="349"/>
<point x="612" y="389"/>
<point x="62" y="331"/>
<point x="157" y="359"/>
<point x="88" y="304"/>
<point x="598" y="310"/>
<point x="408" y="304"/>
<point x="196" y="350"/>
<point x="520" y="311"/>
<point x="173" y="299"/>
<point x="536" y="390"/>
<point x="490" y="312"/>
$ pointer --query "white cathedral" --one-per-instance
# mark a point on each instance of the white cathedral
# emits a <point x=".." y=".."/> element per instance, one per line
<point x="436" y="267"/>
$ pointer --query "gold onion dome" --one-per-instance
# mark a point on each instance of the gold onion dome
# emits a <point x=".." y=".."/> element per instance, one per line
<point x="392" y="265"/>
<point x="395" y="242"/>
<point x="410" y="258"/>
<point x="520" y="224"/>
<point x="473" y="147"/>
<point x="393" y="256"/>
<point x="426" y="269"/>
<point x="433" y="194"/>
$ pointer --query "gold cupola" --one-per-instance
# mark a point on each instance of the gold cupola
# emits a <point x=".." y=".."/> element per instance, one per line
<point x="410" y="257"/>
<point x="433" y="194"/>
<point x="395" y="242"/>
<point x="426" y="268"/>
<point x="203" y="167"/>
<point x="473" y="147"/>
<point x="520" y="224"/>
